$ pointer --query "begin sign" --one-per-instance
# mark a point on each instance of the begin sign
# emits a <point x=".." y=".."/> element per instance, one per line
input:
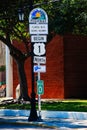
<point x="38" y="38"/>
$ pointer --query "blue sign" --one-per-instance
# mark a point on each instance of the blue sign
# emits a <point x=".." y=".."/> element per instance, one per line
<point x="39" y="68"/>
<point x="36" y="68"/>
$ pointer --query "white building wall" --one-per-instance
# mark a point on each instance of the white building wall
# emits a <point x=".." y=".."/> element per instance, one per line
<point x="9" y="74"/>
<point x="2" y="54"/>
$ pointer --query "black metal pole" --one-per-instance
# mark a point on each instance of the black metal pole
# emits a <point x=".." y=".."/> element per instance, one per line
<point x="33" y="112"/>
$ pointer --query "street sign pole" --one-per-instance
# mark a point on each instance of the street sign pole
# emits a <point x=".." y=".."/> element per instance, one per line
<point x="39" y="98"/>
<point x="38" y="29"/>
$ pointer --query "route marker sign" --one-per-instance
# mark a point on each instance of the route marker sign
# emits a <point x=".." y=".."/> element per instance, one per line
<point x="38" y="15"/>
<point x="38" y="22"/>
<point x="39" y="49"/>
<point x="39" y="59"/>
<point x="38" y="29"/>
<point x="40" y="87"/>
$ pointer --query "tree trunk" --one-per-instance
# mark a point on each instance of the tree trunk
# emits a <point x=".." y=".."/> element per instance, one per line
<point x="22" y="80"/>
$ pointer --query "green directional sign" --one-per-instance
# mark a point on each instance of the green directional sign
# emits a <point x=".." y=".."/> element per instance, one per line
<point x="40" y="87"/>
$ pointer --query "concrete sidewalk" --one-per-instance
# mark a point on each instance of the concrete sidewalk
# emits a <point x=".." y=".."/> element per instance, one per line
<point x="46" y="114"/>
<point x="60" y="120"/>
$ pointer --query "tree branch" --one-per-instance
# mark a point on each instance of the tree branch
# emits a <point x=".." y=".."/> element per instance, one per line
<point x="25" y="41"/>
<point x="3" y="39"/>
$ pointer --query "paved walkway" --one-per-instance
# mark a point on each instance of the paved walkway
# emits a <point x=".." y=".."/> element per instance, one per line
<point x="51" y="119"/>
<point x="52" y="123"/>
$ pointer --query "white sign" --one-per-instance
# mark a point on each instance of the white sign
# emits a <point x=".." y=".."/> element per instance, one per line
<point x="38" y="38"/>
<point x="39" y="68"/>
<point x="39" y="49"/>
<point x="40" y="59"/>
<point x="38" y="28"/>
<point x="38" y="15"/>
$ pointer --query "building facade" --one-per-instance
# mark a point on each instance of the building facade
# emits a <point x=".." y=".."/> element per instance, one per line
<point x="66" y="69"/>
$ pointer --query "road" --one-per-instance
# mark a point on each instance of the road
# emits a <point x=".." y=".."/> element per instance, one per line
<point x="20" y="127"/>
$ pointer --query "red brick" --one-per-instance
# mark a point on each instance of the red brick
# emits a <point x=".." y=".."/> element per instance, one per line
<point x="54" y="76"/>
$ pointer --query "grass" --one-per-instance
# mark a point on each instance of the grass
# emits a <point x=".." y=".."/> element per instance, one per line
<point x="60" y="105"/>
<point x="66" y="106"/>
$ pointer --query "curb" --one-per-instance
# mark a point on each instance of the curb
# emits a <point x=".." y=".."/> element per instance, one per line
<point x="36" y="124"/>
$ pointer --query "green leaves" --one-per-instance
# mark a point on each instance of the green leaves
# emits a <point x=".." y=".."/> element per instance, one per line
<point x="68" y="16"/>
<point x="64" y="16"/>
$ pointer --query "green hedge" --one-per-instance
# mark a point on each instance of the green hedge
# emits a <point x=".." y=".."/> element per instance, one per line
<point x="2" y="68"/>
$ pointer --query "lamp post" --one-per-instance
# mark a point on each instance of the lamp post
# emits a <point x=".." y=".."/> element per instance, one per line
<point x="33" y="113"/>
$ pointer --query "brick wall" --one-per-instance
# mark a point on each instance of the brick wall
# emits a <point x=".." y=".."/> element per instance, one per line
<point x="75" y="66"/>
<point x="54" y="76"/>
<point x="66" y="68"/>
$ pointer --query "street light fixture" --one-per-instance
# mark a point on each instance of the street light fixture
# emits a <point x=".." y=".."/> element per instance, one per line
<point x="21" y="14"/>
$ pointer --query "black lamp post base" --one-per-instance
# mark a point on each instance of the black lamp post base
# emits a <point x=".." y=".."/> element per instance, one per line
<point x="33" y="112"/>
<point x="33" y="118"/>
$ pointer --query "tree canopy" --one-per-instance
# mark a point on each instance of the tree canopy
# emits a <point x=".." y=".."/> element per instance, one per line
<point x="70" y="16"/>
<point x="65" y="16"/>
